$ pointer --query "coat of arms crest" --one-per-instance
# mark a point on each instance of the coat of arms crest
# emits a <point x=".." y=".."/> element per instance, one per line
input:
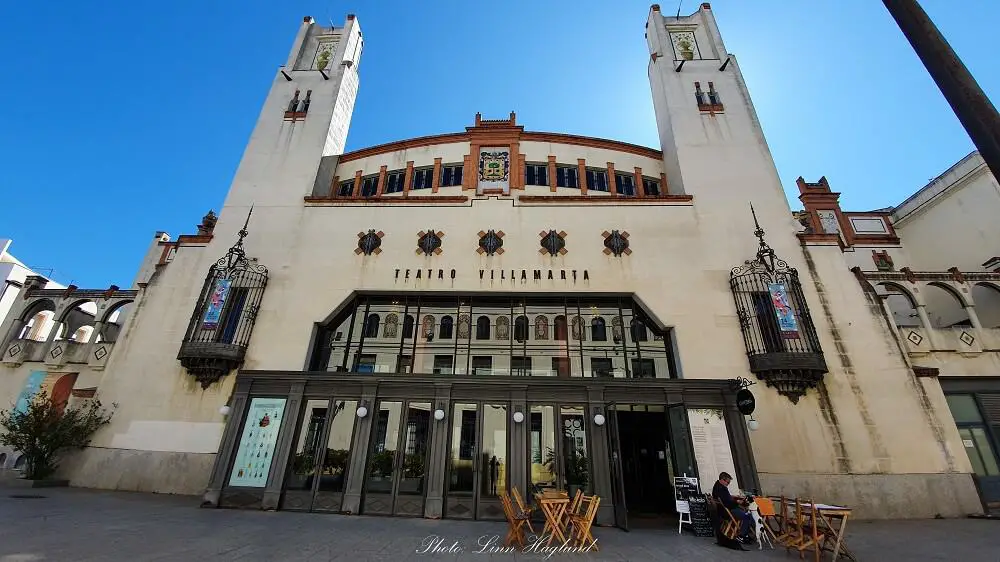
<point x="494" y="166"/>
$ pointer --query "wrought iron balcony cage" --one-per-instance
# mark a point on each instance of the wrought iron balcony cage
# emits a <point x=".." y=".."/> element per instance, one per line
<point x="223" y="319"/>
<point x="780" y="337"/>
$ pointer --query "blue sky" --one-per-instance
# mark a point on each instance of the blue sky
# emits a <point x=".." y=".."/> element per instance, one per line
<point x="119" y="119"/>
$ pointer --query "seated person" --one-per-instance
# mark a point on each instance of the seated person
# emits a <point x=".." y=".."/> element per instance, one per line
<point x="721" y="492"/>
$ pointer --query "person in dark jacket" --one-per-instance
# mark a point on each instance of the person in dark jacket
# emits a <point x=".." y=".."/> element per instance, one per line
<point x="721" y="492"/>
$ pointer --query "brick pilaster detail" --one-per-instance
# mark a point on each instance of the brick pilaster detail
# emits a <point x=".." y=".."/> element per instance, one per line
<point x="581" y="172"/>
<point x="381" y="180"/>
<point x="612" y="184"/>
<point x="408" y="178"/>
<point x="357" y="183"/>
<point x="470" y="168"/>
<point x="552" y="174"/>
<point x="437" y="175"/>
<point x="663" y="185"/>
<point x="640" y="190"/>
<point x="334" y="186"/>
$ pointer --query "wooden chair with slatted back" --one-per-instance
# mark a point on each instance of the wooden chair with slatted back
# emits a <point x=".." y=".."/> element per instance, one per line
<point x="516" y="521"/>
<point x="582" y="523"/>
<point x="728" y="523"/>
<point x="523" y="507"/>
<point x="765" y="508"/>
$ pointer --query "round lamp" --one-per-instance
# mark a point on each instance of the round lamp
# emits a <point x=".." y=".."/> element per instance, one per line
<point x="362" y="412"/>
<point x="518" y="417"/>
<point x="439" y="414"/>
<point x="599" y="419"/>
<point x="753" y="424"/>
<point x="224" y="410"/>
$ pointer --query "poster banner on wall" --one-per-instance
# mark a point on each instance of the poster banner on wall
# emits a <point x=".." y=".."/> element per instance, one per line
<point x="787" y="323"/>
<point x="711" y="448"/>
<point x="215" y="303"/>
<point x="31" y="386"/>
<point x="260" y="433"/>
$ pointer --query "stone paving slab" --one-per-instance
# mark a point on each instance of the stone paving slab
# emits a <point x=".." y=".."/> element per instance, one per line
<point x="87" y="525"/>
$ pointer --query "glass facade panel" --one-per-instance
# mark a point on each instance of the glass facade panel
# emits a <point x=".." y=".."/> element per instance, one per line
<point x="416" y="437"/>
<point x="461" y="464"/>
<point x="542" y="448"/>
<point x="575" y="456"/>
<point x="964" y="408"/>
<point x="493" y="458"/>
<point x="307" y="444"/>
<point x="385" y="444"/>
<point x="506" y="335"/>
<point x="333" y="471"/>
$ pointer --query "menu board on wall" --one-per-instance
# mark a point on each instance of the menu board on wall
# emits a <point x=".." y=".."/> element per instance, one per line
<point x="256" y="450"/>
<point x="711" y="447"/>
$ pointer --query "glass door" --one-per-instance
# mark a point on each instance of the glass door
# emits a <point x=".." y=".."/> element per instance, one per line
<point x="617" y="479"/>
<point x="493" y="462"/>
<point x="397" y="457"/>
<point x="317" y="473"/>
<point x="462" y="466"/>
<point x="975" y="434"/>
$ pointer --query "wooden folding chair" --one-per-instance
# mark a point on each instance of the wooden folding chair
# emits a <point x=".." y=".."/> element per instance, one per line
<point x="581" y="523"/>
<point x="523" y="507"/>
<point x="730" y="526"/>
<point x="809" y="536"/>
<point x="516" y="521"/>
<point x="765" y="508"/>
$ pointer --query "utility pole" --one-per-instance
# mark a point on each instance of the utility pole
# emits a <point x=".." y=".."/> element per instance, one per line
<point x="967" y="99"/>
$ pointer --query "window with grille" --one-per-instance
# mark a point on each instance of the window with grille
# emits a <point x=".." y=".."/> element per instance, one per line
<point x="536" y="174"/>
<point x="346" y="189"/>
<point x="597" y="180"/>
<point x="651" y="186"/>
<point x="394" y="181"/>
<point x="369" y="186"/>
<point x="423" y="178"/>
<point x="625" y="184"/>
<point x="451" y="175"/>
<point x="566" y="176"/>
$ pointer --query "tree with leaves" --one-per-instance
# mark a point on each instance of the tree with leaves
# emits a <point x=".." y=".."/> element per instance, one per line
<point x="45" y="428"/>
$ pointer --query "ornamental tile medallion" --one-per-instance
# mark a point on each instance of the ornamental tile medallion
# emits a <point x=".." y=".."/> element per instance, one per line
<point x="685" y="45"/>
<point x="490" y="243"/>
<point x="100" y="352"/>
<point x="914" y="338"/>
<point x="429" y="243"/>
<point x="369" y="242"/>
<point x="553" y="243"/>
<point x="616" y="242"/>
<point x="324" y="55"/>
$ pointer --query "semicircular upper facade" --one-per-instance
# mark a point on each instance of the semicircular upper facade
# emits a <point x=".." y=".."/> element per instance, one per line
<point x="495" y="157"/>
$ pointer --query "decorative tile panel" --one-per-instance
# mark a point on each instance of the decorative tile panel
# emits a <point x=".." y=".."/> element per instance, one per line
<point x="685" y="45"/>
<point x="914" y="338"/>
<point x="325" y="52"/>
<point x="967" y="338"/>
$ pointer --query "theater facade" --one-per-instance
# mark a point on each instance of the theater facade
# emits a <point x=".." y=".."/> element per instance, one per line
<point x="415" y="327"/>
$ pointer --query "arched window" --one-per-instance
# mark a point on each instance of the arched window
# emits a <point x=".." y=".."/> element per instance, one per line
<point x="371" y="326"/>
<point x="521" y="328"/>
<point x="577" y="328"/>
<point x="598" y="330"/>
<point x="408" y="326"/>
<point x="560" y="327"/>
<point x="483" y="328"/>
<point x="447" y="327"/>
<point x="502" y="331"/>
<point x="638" y="330"/>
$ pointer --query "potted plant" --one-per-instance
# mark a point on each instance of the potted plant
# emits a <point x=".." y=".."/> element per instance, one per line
<point x="302" y="470"/>
<point x="44" y="429"/>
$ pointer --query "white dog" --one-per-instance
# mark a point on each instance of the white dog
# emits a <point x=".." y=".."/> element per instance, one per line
<point x="760" y="531"/>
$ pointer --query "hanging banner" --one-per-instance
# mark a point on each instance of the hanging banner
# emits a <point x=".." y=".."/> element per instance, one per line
<point x="31" y="386"/>
<point x="216" y="301"/>
<point x="787" y="323"/>
<point x="260" y="433"/>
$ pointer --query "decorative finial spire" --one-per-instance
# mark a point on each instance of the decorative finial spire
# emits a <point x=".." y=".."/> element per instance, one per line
<point x="236" y="258"/>
<point x="765" y="255"/>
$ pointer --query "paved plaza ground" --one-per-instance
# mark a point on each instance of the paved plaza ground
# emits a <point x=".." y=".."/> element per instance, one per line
<point x="87" y="525"/>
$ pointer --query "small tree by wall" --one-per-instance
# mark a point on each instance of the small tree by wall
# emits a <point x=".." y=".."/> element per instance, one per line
<point x="47" y="428"/>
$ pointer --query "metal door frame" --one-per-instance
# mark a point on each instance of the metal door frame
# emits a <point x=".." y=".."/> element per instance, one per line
<point x="617" y="473"/>
<point x="397" y="463"/>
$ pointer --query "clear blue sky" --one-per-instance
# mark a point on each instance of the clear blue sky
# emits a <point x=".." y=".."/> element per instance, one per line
<point x="118" y="119"/>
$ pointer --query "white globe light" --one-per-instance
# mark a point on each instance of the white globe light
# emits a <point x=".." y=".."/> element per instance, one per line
<point x="599" y="419"/>
<point x="518" y="417"/>
<point x="439" y="415"/>
<point x="362" y="412"/>
<point x="753" y="424"/>
<point x="224" y="410"/>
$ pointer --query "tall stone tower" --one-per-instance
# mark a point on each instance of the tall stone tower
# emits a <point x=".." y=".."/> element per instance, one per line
<point x="305" y="117"/>
<point x="713" y="145"/>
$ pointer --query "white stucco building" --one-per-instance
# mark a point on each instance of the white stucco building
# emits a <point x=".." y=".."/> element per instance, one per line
<point x="414" y="327"/>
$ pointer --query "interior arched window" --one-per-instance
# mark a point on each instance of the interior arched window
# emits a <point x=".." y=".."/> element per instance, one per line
<point x="408" y="326"/>
<point x="447" y="327"/>
<point x="483" y="328"/>
<point x="560" y="327"/>
<point x="598" y="329"/>
<point x="638" y="330"/>
<point x="521" y="328"/>
<point x="371" y="326"/>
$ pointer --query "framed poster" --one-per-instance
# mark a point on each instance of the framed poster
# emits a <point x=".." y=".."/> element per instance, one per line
<point x="216" y="302"/>
<point x="787" y="323"/>
<point x="711" y="447"/>
<point x="256" y="450"/>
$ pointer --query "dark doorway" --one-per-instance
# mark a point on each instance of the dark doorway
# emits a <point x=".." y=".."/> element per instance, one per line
<point x="645" y="463"/>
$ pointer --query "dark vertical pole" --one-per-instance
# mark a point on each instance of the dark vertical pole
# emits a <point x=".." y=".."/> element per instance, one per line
<point x="967" y="99"/>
